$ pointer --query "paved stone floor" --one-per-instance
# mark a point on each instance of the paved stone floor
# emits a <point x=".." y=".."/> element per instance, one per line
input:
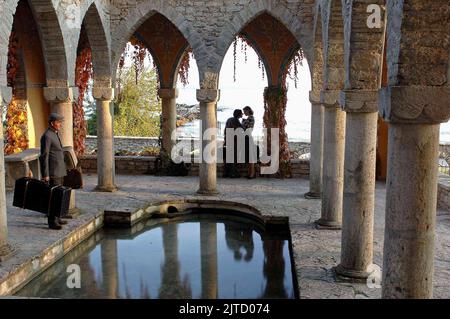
<point x="315" y="251"/>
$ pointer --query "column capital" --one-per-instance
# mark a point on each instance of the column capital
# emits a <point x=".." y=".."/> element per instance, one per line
<point x="58" y="94"/>
<point x="168" y="93"/>
<point x="415" y="104"/>
<point x="314" y="97"/>
<point x="359" y="101"/>
<point x="330" y="98"/>
<point x="5" y="95"/>
<point x="103" y="93"/>
<point x="208" y="95"/>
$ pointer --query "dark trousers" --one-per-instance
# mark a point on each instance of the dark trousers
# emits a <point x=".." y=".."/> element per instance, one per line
<point x="55" y="181"/>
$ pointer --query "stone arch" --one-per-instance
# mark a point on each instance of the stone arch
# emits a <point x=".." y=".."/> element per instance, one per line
<point x="100" y="46"/>
<point x="301" y="30"/>
<point x="139" y="15"/>
<point x="52" y="39"/>
<point x="364" y="47"/>
<point x="318" y="54"/>
<point x="334" y="47"/>
<point x="274" y="44"/>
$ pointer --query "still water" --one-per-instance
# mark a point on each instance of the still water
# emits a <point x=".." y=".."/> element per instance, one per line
<point x="201" y="259"/>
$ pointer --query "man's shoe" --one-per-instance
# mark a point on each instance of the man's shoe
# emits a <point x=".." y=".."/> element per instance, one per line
<point x="62" y="221"/>
<point x="56" y="226"/>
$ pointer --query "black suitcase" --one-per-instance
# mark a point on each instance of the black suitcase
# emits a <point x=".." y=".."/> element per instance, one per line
<point x="38" y="196"/>
<point x="60" y="201"/>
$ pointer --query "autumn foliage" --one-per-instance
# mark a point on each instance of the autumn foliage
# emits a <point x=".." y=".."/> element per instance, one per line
<point x="83" y="74"/>
<point x="16" y="115"/>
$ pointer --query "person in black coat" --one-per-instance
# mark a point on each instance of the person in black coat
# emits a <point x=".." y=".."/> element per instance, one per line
<point x="231" y="165"/>
<point x="53" y="166"/>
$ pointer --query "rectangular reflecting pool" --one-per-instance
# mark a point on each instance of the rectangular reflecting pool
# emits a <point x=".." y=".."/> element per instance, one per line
<point x="203" y="259"/>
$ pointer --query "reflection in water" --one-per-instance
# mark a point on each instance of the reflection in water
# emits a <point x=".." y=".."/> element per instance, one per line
<point x="274" y="270"/>
<point x="202" y="259"/>
<point x="109" y="267"/>
<point x="172" y="287"/>
<point x="240" y="236"/>
<point x="208" y="251"/>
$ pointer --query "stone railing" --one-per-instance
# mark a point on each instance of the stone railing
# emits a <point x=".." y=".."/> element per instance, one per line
<point x="137" y="144"/>
<point x="142" y="165"/>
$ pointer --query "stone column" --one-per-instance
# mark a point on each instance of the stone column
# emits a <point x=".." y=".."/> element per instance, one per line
<point x="208" y="167"/>
<point x="61" y="102"/>
<point x="333" y="162"/>
<point x="316" y="152"/>
<point x="208" y="251"/>
<point x="169" y="118"/>
<point x="414" y="114"/>
<point x="359" y="183"/>
<point x="105" y="139"/>
<point x="5" y="249"/>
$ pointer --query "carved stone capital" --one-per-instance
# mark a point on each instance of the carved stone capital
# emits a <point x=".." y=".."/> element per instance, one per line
<point x="359" y="101"/>
<point x="58" y="94"/>
<point x="168" y="93"/>
<point x="103" y="93"/>
<point x="314" y="97"/>
<point x="5" y="95"/>
<point x="415" y="104"/>
<point x="208" y="95"/>
<point x="330" y="98"/>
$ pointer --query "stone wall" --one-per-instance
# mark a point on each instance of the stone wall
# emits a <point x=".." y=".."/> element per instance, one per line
<point x="136" y="144"/>
<point x="141" y="165"/>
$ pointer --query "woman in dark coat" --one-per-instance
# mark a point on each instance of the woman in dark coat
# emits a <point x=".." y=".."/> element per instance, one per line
<point x="248" y="124"/>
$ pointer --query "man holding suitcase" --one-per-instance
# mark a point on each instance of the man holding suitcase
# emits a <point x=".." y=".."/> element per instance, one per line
<point x="53" y="167"/>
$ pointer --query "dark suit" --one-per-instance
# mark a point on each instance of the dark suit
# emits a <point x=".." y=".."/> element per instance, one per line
<point x="52" y="156"/>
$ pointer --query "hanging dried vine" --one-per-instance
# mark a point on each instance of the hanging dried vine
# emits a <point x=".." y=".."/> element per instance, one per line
<point x="83" y="75"/>
<point x="183" y="72"/>
<point x="138" y="52"/>
<point x="292" y="69"/>
<point x="275" y="101"/>
<point x="16" y="114"/>
<point x="244" y="44"/>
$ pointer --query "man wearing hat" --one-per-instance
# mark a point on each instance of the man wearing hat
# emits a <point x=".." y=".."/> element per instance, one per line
<point x="53" y="167"/>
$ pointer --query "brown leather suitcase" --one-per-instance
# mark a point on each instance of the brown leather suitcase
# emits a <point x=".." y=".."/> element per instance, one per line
<point x="74" y="177"/>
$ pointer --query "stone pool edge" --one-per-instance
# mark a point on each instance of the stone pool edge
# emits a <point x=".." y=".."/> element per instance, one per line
<point x="23" y="273"/>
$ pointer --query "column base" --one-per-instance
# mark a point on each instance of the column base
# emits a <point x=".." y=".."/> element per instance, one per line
<point x="346" y="274"/>
<point x="328" y="225"/>
<point x="106" y="189"/>
<point x="311" y="195"/>
<point x="6" y="252"/>
<point x="207" y="192"/>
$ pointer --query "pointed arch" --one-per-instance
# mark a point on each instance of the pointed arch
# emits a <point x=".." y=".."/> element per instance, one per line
<point x="334" y="47"/>
<point x="100" y="46"/>
<point x="318" y="54"/>
<point x="298" y="26"/>
<point x="142" y="13"/>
